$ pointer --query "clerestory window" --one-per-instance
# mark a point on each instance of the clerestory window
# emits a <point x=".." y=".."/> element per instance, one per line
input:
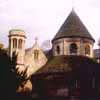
<point x="73" y="49"/>
<point x="14" y="43"/>
<point x="20" y="44"/>
<point x="58" y="49"/>
<point x="87" y="50"/>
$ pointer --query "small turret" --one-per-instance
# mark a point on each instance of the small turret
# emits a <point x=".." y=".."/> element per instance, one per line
<point x="17" y="43"/>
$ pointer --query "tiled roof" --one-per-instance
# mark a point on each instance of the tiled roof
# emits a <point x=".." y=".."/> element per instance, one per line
<point x="73" y="27"/>
<point x="64" y="64"/>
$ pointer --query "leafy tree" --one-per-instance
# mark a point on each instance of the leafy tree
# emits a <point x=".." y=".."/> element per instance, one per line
<point x="1" y="45"/>
<point x="21" y="78"/>
<point x="7" y="86"/>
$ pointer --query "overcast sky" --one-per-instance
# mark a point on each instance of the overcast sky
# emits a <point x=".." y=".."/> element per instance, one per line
<point x="43" y="18"/>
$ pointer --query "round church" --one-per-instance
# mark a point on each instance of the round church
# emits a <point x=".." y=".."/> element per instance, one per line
<point x="73" y="38"/>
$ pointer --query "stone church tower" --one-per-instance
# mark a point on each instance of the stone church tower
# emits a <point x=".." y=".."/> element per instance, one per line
<point x="17" y="45"/>
<point x="32" y="58"/>
<point x="73" y="38"/>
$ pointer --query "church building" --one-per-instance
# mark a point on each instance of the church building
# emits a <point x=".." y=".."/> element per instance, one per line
<point x="62" y="69"/>
<point x="72" y="39"/>
<point x="32" y="58"/>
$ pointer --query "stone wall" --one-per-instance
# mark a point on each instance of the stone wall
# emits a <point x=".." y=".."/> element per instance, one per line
<point x="32" y="63"/>
<point x="64" y="45"/>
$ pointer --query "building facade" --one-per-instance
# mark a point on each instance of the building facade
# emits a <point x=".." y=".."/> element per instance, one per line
<point x="70" y="73"/>
<point x="72" y="39"/>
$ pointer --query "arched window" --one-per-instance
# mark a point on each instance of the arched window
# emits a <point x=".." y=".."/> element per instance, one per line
<point x="36" y="54"/>
<point x="20" y="44"/>
<point x="73" y="49"/>
<point x="87" y="50"/>
<point x="14" y="43"/>
<point x="58" y="49"/>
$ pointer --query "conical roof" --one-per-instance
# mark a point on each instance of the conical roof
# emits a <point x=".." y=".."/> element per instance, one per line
<point x="61" y="64"/>
<point x="73" y="27"/>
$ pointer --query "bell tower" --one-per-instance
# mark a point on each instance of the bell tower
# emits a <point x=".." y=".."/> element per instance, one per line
<point x="17" y="44"/>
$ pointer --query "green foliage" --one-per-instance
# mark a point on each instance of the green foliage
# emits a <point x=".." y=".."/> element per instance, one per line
<point x="21" y="78"/>
<point x="1" y="46"/>
<point x="7" y="85"/>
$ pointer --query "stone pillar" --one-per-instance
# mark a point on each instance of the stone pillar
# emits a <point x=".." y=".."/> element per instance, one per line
<point x="91" y="51"/>
<point x="67" y="48"/>
<point x="17" y="43"/>
<point x="10" y="46"/>
<point x="81" y="47"/>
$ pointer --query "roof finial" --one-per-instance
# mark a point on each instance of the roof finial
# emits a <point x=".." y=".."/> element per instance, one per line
<point x="36" y="40"/>
<point x="72" y="5"/>
<point x="72" y="9"/>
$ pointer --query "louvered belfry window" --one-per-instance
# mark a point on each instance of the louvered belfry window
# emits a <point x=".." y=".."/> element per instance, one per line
<point x="14" y="43"/>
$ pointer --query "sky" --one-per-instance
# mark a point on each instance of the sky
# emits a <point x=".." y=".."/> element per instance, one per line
<point x="43" y="18"/>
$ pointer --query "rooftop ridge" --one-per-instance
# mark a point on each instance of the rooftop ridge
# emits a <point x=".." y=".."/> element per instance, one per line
<point x="73" y="27"/>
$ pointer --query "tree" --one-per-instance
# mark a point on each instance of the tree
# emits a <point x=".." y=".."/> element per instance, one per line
<point x="7" y="86"/>
<point x="1" y="45"/>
